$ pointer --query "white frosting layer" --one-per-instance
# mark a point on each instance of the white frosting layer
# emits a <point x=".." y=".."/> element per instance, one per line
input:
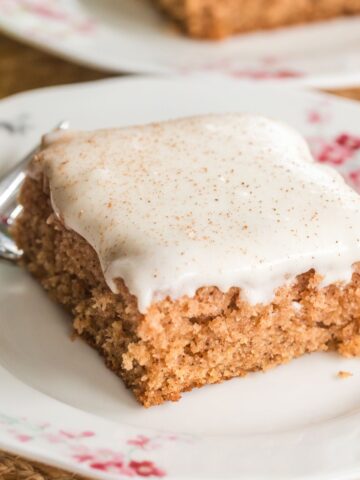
<point x="223" y="200"/>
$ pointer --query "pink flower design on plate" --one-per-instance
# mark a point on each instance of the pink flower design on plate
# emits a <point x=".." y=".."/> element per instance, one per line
<point x="52" y="11"/>
<point x="266" y="68"/>
<point x="24" y="438"/>
<point x="84" y="457"/>
<point x="113" y="466"/>
<point x="317" y="117"/>
<point x="71" y="435"/>
<point x="142" y="468"/>
<point x="119" y="461"/>
<point x="146" y="469"/>
<point x="111" y="461"/>
<point x="337" y="151"/>
<point x="354" y="179"/>
<point x="140" y="441"/>
<point x="44" y="9"/>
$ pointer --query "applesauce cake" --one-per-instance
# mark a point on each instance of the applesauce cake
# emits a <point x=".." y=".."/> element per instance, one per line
<point x="220" y="18"/>
<point x="195" y="250"/>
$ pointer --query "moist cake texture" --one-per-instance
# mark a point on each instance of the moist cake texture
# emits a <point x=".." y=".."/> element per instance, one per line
<point x="194" y="251"/>
<point x="217" y="19"/>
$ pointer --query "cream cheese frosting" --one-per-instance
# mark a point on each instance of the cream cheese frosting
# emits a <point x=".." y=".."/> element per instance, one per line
<point x="217" y="200"/>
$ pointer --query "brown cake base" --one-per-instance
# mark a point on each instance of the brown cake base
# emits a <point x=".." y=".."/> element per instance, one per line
<point x="221" y="18"/>
<point x="179" y="345"/>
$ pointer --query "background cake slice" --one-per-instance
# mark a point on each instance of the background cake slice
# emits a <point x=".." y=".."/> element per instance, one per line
<point x="195" y="250"/>
<point x="221" y="18"/>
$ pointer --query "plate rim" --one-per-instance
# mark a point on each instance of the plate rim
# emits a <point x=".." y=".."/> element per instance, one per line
<point x="334" y="80"/>
<point x="20" y="449"/>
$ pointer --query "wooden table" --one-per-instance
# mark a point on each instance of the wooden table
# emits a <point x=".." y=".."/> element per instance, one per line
<point x="24" y="68"/>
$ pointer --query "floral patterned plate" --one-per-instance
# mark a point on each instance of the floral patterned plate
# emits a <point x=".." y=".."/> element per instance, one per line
<point x="58" y="402"/>
<point x="130" y="35"/>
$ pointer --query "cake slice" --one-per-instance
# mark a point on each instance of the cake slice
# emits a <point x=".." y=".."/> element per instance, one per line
<point x="195" y="250"/>
<point x="221" y="18"/>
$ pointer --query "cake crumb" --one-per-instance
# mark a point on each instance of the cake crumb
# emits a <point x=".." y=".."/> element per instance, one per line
<point x="344" y="374"/>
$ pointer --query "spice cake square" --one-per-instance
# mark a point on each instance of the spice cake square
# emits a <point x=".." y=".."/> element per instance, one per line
<point x="221" y="18"/>
<point x="196" y="250"/>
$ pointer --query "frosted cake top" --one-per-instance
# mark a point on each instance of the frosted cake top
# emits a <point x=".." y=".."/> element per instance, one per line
<point x="217" y="200"/>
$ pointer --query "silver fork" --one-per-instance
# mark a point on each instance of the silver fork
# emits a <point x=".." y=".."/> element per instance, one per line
<point x="9" y="208"/>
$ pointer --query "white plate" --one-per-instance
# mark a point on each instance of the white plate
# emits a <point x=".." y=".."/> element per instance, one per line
<point x="130" y="35"/>
<point x="58" y="402"/>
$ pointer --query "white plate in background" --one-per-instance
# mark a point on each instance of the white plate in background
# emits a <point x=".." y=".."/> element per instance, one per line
<point x="130" y="35"/>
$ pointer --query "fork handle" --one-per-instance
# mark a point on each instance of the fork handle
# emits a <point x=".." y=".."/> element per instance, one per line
<point x="10" y="184"/>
